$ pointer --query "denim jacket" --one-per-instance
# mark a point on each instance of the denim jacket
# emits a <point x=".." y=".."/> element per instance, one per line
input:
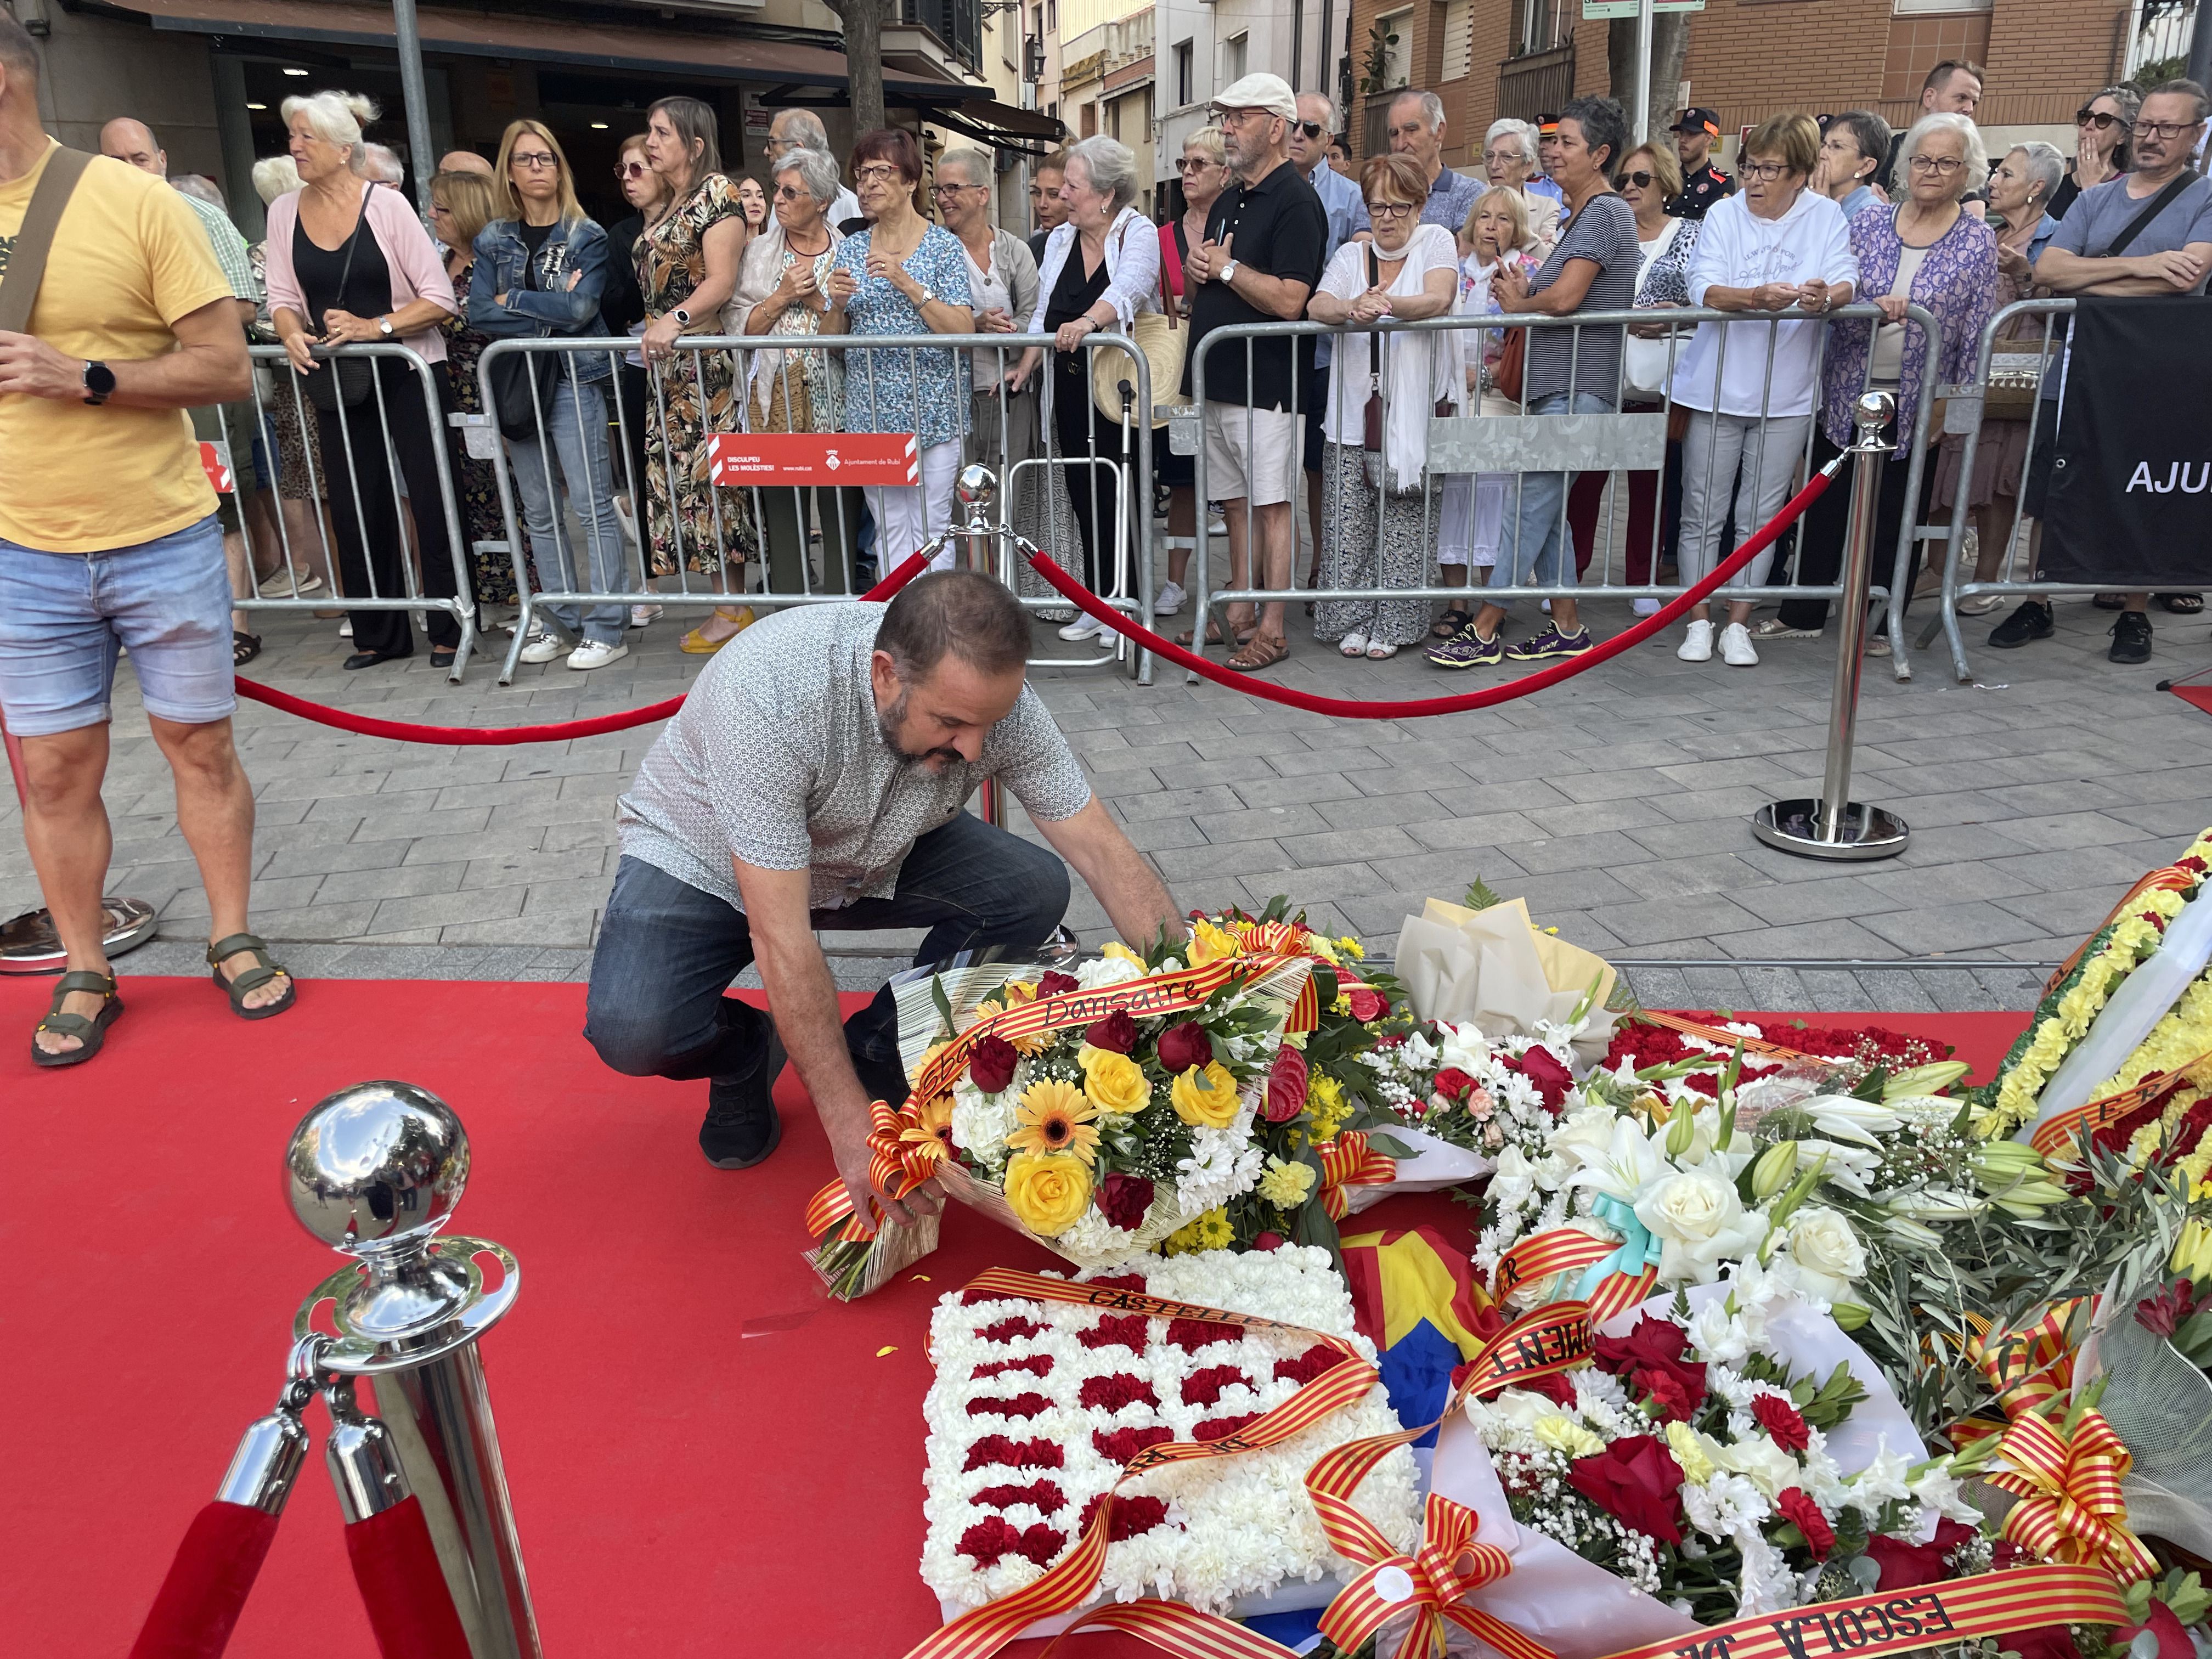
<point x="576" y="247"/>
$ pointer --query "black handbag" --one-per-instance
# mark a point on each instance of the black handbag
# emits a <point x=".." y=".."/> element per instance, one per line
<point x="341" y="382"/>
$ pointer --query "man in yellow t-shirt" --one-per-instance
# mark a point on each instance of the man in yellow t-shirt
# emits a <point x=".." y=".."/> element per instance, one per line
<point x="109" y="538"/>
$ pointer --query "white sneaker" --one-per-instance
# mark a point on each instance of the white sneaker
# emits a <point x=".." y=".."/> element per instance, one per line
<point x="1645" y="607"/>
<point x="278" y="585"/>
<point x="639" y="615"/>
<point x="1168" y="600"/>
<point x="1547" y="607"/>
<point x="1737" y="649"/>
<point x="1353" y="644"/>
<point x="593" y="654"/>
<point x="542" y="647"/>
<point x="1696" y="643"/>
<point x="1083" y="628"/>
<point x="345" y="628"/>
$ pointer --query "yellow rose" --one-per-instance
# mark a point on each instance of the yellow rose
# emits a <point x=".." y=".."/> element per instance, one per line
<point x="1120" y="953"/>
<point x="1211" y="944"/>
<point x="1287" y="1185"/>
<point x="1207" y="1099"/>
<point x="1019" y="991"/>
<point x="1114" y="1082"/>
<point x="1689" y="1448"/>
<point x="1564" y="1434"/>
<point x="1049" y="1191"/>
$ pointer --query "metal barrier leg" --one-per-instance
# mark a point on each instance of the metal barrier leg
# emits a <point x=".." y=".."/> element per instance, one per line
<point x="1835" y="826"/>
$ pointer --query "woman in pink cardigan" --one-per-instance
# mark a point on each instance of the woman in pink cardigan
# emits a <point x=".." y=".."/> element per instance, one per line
<point x="349" y="262"/>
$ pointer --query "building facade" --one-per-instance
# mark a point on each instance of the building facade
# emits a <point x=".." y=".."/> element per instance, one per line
<point x="1202" y="45"/>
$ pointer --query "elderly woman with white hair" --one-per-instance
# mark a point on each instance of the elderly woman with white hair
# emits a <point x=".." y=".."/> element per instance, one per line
<point x="1510" y="161"/>
<point x="1926" y="250"/>
<point x="782" y="291"/>
<point x="1100" y="270"/>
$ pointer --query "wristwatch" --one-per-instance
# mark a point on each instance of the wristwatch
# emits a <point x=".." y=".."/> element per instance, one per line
<point x="98" y="384"/>
<point x="383" y="326"/>
<point x="683" y="317"/>
<point x="1229" y="270"/>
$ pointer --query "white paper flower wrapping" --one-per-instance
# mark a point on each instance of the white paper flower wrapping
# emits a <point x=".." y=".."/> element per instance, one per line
<point x="1235" y="1528"/>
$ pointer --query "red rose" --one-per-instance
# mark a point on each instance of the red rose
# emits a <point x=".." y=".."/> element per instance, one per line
<point x="1367" y="1003"/>
<point x="1124" y="1200"/>
<point x="1184" y="1046"/>
<point x="1636" y="1481"/>
<point x="2046" y="1642"/>
<point x="1057" y="985"/>
<point x="1650" y="1360"/>
<point x="1454" y="1084"/>
<point x="1908" y="1566"/>
<point x="1553" y="1080"/>
<point x="1285" y="1096"/>
<point x="1117" y="1032"/>
<point x="991" y="1064"/>
<point x="1802" y="1513"/>
<point x="1268" y="1241"/>
<point x="1784" y="1426"/>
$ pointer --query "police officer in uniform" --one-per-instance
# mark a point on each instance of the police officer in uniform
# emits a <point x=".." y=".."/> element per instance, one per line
<point x="1703" y="184"/>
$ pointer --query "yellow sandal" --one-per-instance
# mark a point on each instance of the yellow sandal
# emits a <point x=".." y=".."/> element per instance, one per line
<point x="696" y="643"/>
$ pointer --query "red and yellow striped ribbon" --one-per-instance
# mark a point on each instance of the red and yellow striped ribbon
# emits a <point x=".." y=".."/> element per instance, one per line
<point x="2068" y="1485"/>
<point x="1620" y="1291"/>
<point x="2172" y="880"/>
<point x="1888" y="1623"/>
<point x="983" y="1631"/>
<point x="1348" y="1161"/>
<point x="1565" y="1250"/>
<point x="1752" y="1045"/>
<point x="1157" y="995"/>
<point x="903" y="1152"/>
<point x="2059" y="1133"/>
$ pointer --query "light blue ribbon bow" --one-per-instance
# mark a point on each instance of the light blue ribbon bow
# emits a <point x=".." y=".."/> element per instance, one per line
<point x="1639" y="1248"/>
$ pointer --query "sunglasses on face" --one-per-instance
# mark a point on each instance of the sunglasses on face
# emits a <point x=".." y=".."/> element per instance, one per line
<point x="1311" y="129"/>
<point x="631" y="169"/>
<point x="2102" y="119"/>
<point x="788" y="194"/>
<point x="1641" y="179"/>
<point x="1192" y="163"/>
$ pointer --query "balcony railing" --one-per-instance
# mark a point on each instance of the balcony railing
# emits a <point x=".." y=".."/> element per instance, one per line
<point x="1536" y="82"/>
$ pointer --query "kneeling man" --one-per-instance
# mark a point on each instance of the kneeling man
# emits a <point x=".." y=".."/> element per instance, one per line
<point x="814" y="778"/>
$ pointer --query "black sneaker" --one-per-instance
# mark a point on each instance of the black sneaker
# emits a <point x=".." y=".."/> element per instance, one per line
<point x="741" y="1126"/>
<point x="2130" y="638"/>
<point x="2031" y="621"/>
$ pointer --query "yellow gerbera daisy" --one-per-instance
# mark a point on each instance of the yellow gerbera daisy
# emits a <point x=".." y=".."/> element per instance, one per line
<point x="931" y="1128"/>
<point x="1054" y="1117"/>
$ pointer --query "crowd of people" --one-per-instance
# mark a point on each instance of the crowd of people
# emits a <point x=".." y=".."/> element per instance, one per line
<point x="610" y="450"/>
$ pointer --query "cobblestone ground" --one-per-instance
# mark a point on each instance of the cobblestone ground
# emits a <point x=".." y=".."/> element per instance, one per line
<point x="1616" y="805"/>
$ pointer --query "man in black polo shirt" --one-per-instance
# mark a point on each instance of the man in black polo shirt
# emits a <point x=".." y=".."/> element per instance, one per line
<point x="1703" y="184"/>
<point x="1265" y="243"/>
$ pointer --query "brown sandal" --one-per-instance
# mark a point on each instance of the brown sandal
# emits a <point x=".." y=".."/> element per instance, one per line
<point x="1213" y="634"/>
<point x="1258" y="652"/>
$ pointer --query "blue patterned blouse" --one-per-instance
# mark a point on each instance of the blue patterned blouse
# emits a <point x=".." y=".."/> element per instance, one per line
<point x="923" y="389"/>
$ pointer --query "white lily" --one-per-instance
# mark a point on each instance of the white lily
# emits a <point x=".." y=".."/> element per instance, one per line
<point x="1846" y="1117"/>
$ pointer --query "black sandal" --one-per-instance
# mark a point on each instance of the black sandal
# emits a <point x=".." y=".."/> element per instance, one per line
<point x="2182" y="604"/>
<point x="243" y="648"/>
<point x="89" y="1033"/>
<point x="253" y="978"/>
<point x="1451" y="623"/>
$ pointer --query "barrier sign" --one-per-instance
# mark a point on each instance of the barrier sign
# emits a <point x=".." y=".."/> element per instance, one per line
<point x="215" y="461"/>
<point x="850" y="459"/>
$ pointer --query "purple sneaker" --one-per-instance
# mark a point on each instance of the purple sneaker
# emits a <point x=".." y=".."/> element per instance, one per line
<point x="1466" y="649"/>
<point x="1550" y="643"/>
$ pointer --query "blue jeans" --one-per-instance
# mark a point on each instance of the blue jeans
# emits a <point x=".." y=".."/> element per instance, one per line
<point x="63" y="615"/>
<point x="575" y="419"/>
<point x="1540" y="535"/>
<point x="667" y="951"/>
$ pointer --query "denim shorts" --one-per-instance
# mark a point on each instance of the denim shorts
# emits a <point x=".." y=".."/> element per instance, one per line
<point x="63" y="615"/>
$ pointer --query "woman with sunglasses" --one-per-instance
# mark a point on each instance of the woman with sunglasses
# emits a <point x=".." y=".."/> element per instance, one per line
<point x="1204" y="168"/>
<point x="623" y="307"/>
<point x="539" y="273"/>
<point x="2102" y="128"/>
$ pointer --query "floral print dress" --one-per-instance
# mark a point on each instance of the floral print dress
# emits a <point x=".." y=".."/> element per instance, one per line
<point x="476" y="485"/>
<point x="691" y="397"/>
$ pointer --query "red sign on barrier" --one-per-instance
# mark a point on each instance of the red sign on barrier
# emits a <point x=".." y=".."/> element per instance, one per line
<point x="215" y="461"/>
<point x="735" y="458"/>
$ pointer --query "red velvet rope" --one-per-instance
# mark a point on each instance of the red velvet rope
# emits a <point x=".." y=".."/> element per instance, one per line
<point x="402" y="1587"/>
<point x="1350" y="708"/>
<point x="199" y="1602"/>
<point x="492" y="736"/>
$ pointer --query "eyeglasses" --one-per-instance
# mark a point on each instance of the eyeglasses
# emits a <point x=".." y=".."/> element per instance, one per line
<point x="631" y="169"/>
<point x="1311" y="129"/>
<point x="790" y="193"/>
<point x="2163" y="130"/>
<point x="876" y="175"/>
<point x="1943" y="165"/>
<point x="1390" y="210"/>
<point x="1641" y="179"/>
<point x="1192" y="163"/>
<point x="2102" y="119"/>
<point x="534" y="159"/>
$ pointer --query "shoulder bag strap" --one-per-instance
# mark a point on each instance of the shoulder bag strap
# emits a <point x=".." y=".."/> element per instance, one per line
<point x="27" y="259"/>
<point x="2158" y="205"/>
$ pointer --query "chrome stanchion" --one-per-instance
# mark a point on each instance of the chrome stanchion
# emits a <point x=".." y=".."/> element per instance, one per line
<point x="1835" y="826"/>
<point x="374" y="1171"/>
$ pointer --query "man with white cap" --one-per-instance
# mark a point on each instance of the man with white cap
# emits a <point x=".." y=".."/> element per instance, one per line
<point x="1266" y="240"/>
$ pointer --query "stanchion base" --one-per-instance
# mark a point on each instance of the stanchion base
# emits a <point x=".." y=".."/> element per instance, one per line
<point x="1864" y="832"/>
<point x="29" y="944"/>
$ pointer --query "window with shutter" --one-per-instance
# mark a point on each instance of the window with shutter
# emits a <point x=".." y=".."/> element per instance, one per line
<point x="1459" y="39"/>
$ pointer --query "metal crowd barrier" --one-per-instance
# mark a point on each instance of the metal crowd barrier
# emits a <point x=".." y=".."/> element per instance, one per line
<point x="2033" y="352"/>
<point x="279" y="396"/>
<point x="1577" y="443"/>
<point x="769" y="521"/>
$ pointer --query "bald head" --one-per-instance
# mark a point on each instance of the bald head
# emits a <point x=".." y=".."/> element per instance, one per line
<point x="465" y="161"/>
<point x="127" y="140"/>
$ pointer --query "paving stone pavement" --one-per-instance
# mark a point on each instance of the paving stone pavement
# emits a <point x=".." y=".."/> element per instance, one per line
<point x="1615" y="804"/>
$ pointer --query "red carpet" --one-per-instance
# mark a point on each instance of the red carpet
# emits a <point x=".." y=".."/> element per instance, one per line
<point x="706" y="1456"/>
<point x="2196" y="696"/>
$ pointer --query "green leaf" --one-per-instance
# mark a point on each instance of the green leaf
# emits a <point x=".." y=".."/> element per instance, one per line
<point x="1479" y="895"/>
<point x="946" y="1029"/>
<point x="1378" y="1141"/>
